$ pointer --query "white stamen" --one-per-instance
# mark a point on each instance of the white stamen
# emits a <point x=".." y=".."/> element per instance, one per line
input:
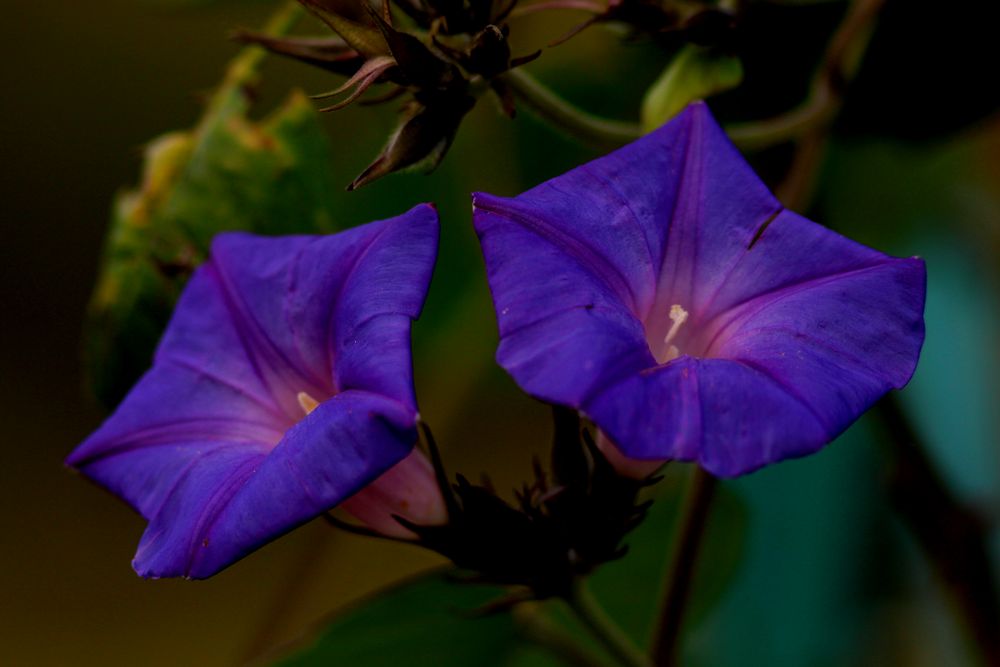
<point x="307" y="402"/>
<point x="678" y="316"/>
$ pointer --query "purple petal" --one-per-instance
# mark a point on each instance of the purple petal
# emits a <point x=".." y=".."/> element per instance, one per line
<point x="789" y="372"/>
<point x="302" y="306"/>
<point x="384" y="291"/>
<point x="720" y="208"/>
<point x="233" y="500"/>
<point x="727" y="416"/>
<point x="564" y="330"/>
<point x="789" y="251"/>
<point x="792" y="330"/>
<point x="217" y="425"/>
<point x="146" y="445"/>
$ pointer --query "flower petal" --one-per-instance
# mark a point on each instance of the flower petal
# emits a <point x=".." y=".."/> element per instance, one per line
<point x="790" y="371"/>
<point x="302" y="302"/>
<point x="613" y="237"/>
<point x="231" y="501"/>
<point x="385" y="290"/>
<point x="217" y="425"/>
<point x="563" y="327"/>
<point x="790" y="251"/>
<point x="727" y="416"/>
<point x="720" y="206"/>
<point x="672" y="245"/>
<point x="409" y="490"/>
<point x="141" y="451"/>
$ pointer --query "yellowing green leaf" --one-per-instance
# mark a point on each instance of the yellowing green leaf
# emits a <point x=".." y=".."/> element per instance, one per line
<point x="694" y="74"/>
<point x="230" y="173"/>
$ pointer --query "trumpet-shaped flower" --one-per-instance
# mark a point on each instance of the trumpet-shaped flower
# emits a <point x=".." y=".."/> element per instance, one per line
<point x="281" y="388"/>
<point x="667" y="295"/>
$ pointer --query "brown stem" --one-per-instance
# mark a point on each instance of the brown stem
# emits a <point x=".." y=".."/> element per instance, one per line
<point x="796" y="191"/>
<point x="838" y="67"/>
<point x="680" y="571"/>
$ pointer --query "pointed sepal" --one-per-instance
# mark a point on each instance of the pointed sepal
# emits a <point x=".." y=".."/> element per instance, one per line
<point x="422" y="139"/>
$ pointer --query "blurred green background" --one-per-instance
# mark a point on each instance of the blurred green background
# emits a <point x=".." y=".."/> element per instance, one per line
<point x="829" y="575"/>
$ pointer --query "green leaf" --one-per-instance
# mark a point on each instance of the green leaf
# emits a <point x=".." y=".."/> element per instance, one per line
<point x="426" y="622"/>
<point x="695" y="73"/>
<point x="229" y="173"/>
<point x="630" y="589"/>
<point x="422" y="623"/>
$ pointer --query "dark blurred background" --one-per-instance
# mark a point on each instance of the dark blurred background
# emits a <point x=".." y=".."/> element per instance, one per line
<point x="830" y="575"/>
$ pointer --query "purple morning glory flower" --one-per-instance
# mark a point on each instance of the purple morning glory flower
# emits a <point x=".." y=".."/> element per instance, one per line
<point x="667" y="295"/>
<point x="282" y="387"/>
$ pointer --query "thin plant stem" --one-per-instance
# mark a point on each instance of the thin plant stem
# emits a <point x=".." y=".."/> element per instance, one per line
<point x="546" y="5"/>
<point x="843" y="57"/>
<point x="799" y="185"/>
<point x="586" y="608"/>
<point x="599" y="132"/>
<point x="838" y="67"/>
<point x="541" y="630"/>
<point x="681" y="567"/>
<point x="819" y="110"/>
<point x="814" y="115"/>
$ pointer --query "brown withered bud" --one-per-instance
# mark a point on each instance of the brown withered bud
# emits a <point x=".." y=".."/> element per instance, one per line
<point x="330" y="53"/>
<point x="443" y="80"/>
<point x="419" y="67"/>
<point x="423" y="137"/>
<point x="565" y="523"/>
<point x="389" y="54"/>
<point x="454" y="17"/>
<point x="361" y="33"/>
<point x="372" y="71"/>
<point x="489" y="53"/>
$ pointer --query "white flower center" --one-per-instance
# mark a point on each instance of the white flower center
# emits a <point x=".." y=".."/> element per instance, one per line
<point x="678" y="316"/>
